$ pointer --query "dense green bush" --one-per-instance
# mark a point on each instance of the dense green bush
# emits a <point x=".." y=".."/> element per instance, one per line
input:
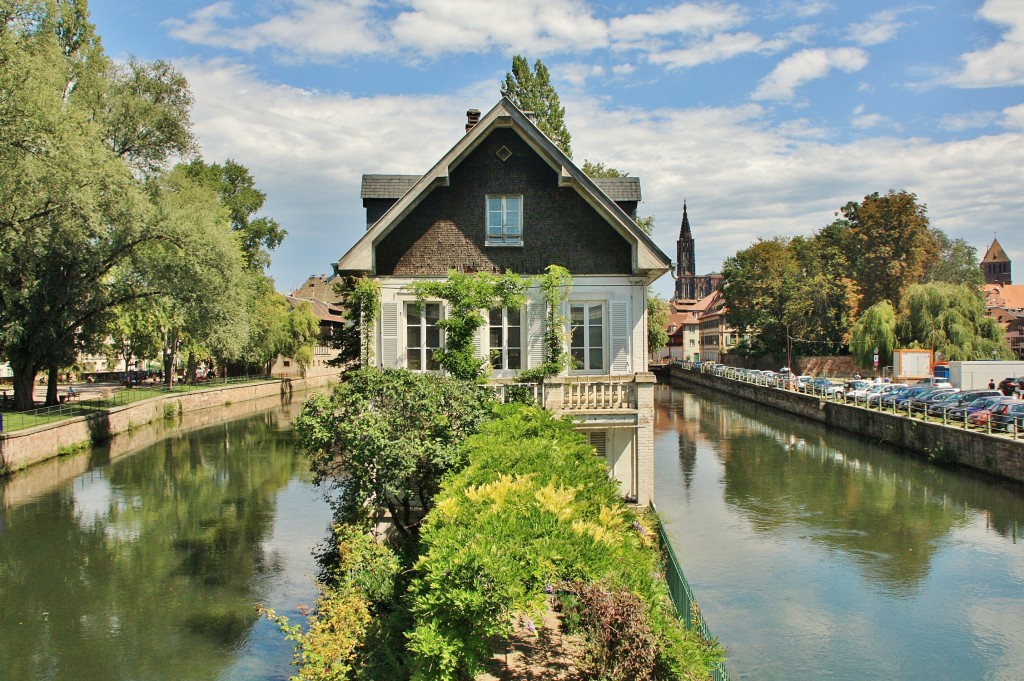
<point x="386" y="438"/>
<point x="534" y="513"/>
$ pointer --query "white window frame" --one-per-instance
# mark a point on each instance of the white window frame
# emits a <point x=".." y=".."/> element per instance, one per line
<point x="504" y="347"/>
<point x="504" y="233"/>
<point x="425" y="357"/>
<point x="587" y="306"/>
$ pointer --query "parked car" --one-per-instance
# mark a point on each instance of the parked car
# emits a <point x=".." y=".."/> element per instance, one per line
<point x="855" y="386"/>
<point x="1008" y="386"/>
<point x="861" y="394"/>
<point x="964" y="411"/>
<point x="982" y="416"/>
<point x="823" y="386"/>
<point x="957" y="400"/>
<point x="886" y="390"/>
<point x="1008" y="416"/>
<point x="935" y="382"/>
<point x="921" y="401"/>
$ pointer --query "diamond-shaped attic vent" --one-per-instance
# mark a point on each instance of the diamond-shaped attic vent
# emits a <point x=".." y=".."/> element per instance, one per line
<point x="504" y="154"/>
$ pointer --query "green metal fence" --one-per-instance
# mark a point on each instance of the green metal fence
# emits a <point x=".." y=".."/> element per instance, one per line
<point x="19" y="420"/>
<point x="682" y="598"/>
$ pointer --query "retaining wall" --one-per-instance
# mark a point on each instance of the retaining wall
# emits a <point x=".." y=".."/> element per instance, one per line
<point x="993" y="454"/>
<point x="23" y="448"/>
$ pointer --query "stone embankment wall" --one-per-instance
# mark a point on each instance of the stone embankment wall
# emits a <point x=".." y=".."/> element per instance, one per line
<point x="994" y="454"/>
<point x="26" y="447"/>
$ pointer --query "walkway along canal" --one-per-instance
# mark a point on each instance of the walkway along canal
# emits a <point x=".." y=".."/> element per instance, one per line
<point x="144" y="558"/>
<point x="816" y="554"/>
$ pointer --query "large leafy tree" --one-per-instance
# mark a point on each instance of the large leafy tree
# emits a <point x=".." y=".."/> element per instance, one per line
<point x="384" y="439"/>
<point x="74" y="218"/>
<point x="893" y="243"/>
<point x="957" y="262"/>
<point x="757" y="284"/>
<point x="875" y="331"/>
<point x="531" y="90"/>
<point x="950" y="319"/>
<point x="237" y="189"/>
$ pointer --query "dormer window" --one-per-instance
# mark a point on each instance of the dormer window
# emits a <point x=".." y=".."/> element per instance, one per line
<point x="504" y="220"/>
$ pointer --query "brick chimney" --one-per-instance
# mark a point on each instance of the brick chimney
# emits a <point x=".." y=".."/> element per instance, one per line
<point x="472" y="118"/>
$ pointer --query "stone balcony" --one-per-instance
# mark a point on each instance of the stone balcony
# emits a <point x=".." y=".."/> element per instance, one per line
<point x="560" y="394"/>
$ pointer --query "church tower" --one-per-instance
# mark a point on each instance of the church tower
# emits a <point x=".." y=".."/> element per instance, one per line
<point x="996" y="265"/>
<point x="686" y="264"/>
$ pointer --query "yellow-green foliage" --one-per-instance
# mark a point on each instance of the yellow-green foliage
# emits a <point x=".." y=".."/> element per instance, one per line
<point x="333" y="646"/>
<point x="532" y="513"/>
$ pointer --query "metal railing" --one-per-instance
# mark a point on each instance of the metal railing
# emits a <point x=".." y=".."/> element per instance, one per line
<point x="1011" y="426"/>
<point x="109" y="399"/>
<point x="683" y="600"/>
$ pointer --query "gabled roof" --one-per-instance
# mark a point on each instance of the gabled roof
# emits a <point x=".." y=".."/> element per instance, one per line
<point x="395" y="186"/>
<point x="995" y="253"/>
<point x="648" y="260"/>
<point x="1008" y="296"/>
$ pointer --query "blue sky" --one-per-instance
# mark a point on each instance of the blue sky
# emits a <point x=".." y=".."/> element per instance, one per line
<point x="765" y="116"/>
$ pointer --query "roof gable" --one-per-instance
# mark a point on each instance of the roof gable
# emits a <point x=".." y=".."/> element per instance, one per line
<point x="995" y="253"/>
<point x="647" y="259"/>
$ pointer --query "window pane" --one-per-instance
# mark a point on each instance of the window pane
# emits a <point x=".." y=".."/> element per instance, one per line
<point x="493" y="205"/>
<point x="595" y="336"/>
<point x="515" y="358"/>
<point x="413" y="359"/>
<point x="512" y="205"/>
<point x="577" y="336"/>
<point x="415" y="339"/>
<point x="432" y="364"/>
<point x="433" y="312"/>
<point x="577" y="358"/>
<point x="494" y="316"/>
<point x="576" y="314"/>
<point x="512" y="220"/>
<point x="412" y="313"/>
<point x="433" y="337"/>
<point x="496" y="359"/>
<point x="513" y="317"/>
<point x="496" y="338"/>
<point x="595" y="314"/>
<point x="596" y="361"/>
<point x="514" y="340"/>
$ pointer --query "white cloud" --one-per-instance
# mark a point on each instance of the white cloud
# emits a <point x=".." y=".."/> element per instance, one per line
<point x="869" y="121"/>
<point x="880" y="28"/>
<point x="722" y="46"/>
<point x="1001" y="64"/>
<point x="312" y="28"/>
<point x="685" y="18"/>
<point x="967" y="121"/>
<point x="623" y="69"/>
<point x="805" y="66"/>
<point x="536" y="26"/>
<point x="1013" y="117"/>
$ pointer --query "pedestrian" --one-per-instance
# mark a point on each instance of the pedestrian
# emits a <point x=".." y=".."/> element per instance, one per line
<point x="992" y="384"/>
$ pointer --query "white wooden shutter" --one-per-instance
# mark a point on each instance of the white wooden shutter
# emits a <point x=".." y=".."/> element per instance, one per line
<point x="535" y="313"/>
<point x="389" y="357"/>
<point x="618" y="311"/>
<point x="478" y="341"/>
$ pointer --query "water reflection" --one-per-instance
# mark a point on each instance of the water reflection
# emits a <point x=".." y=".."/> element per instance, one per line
<point x="148" y="568"/>
<point x="810" y="547"/>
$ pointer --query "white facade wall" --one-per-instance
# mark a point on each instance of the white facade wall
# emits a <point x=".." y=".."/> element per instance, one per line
<point x="622" y="300"/>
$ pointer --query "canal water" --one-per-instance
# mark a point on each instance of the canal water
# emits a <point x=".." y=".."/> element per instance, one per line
<point x="147" y="563"/>
<point x="817" y="555"/>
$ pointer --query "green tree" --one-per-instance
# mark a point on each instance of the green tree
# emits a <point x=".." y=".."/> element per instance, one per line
<point x="894" y="245"/>
<point x="598" y="170"/>
<point x="198" y="271"/>
<point x="531" y="90"/>
<point x="874" y="331"/>
<point x="384" y="439"/>
<point x="950" y="319"/>
<point x="73" y="217"/>
<point x="237" y="189"/>
<point x="134" y="331"/>
<point x="757" y="284"/>
<point x="657" y="322"/>
<point x="301" y="331"/>
<point x="957" y="262"/>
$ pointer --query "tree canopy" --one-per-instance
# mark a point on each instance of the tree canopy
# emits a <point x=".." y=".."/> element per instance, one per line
<point x="531" y="90"/>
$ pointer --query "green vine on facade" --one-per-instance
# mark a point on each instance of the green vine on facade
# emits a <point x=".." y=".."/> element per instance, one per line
<point x="360" y="299"/>
<point x="556" y="285"/>
<point x="467" y="295"/>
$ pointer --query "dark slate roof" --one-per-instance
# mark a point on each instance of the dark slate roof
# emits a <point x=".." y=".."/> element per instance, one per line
<point x="395" y="186"/>
<point x="386" y="186"/>
<point x="620" y="188"/>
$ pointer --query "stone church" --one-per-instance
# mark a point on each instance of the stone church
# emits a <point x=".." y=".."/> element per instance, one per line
<point x="689" y="284"/>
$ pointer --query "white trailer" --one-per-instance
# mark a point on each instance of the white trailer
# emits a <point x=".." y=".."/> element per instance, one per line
<point x="977" y="374"/>
<point x="909" y="365"/>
